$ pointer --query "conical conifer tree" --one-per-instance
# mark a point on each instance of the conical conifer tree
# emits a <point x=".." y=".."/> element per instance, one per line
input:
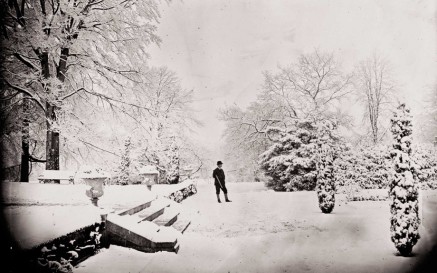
<point x="326" y="154"/>
<point x="403" y="190"/>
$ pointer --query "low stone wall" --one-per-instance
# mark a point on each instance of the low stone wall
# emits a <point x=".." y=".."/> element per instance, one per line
<point x="18" y="193"/>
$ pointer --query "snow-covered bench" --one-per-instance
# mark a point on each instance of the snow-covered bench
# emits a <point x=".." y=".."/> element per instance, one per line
<point x="56" y="175"/>
<point x="176" y="192"/>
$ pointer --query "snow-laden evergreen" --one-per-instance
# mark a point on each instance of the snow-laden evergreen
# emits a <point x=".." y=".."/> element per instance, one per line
<point x="326" y="154"/>
<point x="403" y="189"/>
<point x="173" y="172"/>
<point x="125" y="163"/>
<point x="290" y="161"/>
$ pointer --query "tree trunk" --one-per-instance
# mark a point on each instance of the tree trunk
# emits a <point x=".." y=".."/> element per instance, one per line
<point x="375" y="135"/>
<point x="24" y="177"/>
<point x="62" y="67"/>
<point x="52" y="140"/>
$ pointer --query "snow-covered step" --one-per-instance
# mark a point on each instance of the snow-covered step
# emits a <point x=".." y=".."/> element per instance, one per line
<point x="169" y="216"/>
<point x="156" y="209"/>
<point x="156" y="227"/>
<point x="124" y="210"/>
<point x="150" y="226"/>
<point x="181" y="225"/>
<point x="177" y="247"/>
<point x="165" y="235"/>
<point x="171" y="247"/>
<point x="122" y="220"/>
<point x="148" y="230"/>
<point x="145" y="236"/>
<point x="145" y="229"/>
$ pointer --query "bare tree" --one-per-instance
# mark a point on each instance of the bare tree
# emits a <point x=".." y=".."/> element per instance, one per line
<point x="245" y="136"/>
<point x="427" y="117"/>
<point x="169" y="121"/>
<point x="310" y="87"/>
<point x="375" y="86"/>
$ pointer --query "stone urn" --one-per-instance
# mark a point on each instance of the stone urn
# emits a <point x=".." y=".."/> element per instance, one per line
<point x="150" y="175"/>
<point x="95" y="180"/>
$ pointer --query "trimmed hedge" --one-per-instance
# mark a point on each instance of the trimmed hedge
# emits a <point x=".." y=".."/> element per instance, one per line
<point x="371" y="167"/>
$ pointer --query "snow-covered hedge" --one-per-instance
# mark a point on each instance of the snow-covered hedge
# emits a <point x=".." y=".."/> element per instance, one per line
<point x="364" y="167"/>
<point x="425" y="156"/>
<point x="403" y="189"/>
<point x="368" y="195"/>
<point x="368" y="198"/>
<point x="371" y="167"/>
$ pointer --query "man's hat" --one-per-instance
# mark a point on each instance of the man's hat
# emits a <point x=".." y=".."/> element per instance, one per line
<point x="219" y="163"/>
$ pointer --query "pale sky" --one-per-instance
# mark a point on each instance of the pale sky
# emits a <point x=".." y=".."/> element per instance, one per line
<point x="220" y="48"/>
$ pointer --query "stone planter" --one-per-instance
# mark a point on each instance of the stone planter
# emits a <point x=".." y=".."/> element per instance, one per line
<point x="148" y="180"/>
<point x="96" y="188"/>
<point x="150" y="175"/>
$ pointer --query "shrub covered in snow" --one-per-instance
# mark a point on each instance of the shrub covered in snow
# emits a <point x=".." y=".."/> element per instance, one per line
<point x="290" y="162"/>
<point x="425" y="157"/>
<point x="363" y="167"/>
<point x="368" y="198"/>
<point x="125" y="164"/>
<point x="326" y="151"/>
<point x="173" y="173"/>
<point x="403" y="189"/>
<point x="371" y="167"/>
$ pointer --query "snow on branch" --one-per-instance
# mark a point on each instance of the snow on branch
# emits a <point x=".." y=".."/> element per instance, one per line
<point x="26" y="92"/>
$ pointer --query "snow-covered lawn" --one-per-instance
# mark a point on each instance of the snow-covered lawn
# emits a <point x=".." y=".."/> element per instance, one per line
<point x="266" y="231"/>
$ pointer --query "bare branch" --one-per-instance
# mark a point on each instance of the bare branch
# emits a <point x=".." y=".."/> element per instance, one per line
<point x="98" y="148"/>
<point x="26" y="92"/>
<point x="26" y="61"/>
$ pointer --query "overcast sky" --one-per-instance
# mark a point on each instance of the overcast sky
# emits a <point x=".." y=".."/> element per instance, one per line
<point x="220" y="48"/>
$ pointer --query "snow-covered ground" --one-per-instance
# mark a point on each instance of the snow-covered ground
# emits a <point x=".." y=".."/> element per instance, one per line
<point x="266" y="231"/>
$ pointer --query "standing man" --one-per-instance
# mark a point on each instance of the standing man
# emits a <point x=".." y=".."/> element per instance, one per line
<point x="219" y="182"/>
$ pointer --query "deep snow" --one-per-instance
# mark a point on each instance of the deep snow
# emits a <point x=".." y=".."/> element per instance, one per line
<point x="266" y="231"/>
